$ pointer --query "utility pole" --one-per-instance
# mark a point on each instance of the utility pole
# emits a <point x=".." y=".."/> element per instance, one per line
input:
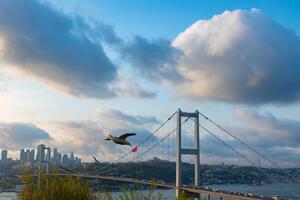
<point x="47" y="159"/>
<point x="42" y="160"/>
<point x="39" y="177"/>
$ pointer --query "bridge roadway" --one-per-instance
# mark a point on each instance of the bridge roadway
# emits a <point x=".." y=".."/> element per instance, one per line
<point x="202" y="191"/>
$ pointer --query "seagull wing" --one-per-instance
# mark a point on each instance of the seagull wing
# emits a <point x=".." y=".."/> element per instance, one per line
<point x="124" y="136"/>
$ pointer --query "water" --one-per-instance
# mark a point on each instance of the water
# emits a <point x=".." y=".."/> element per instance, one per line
<point x="283" y="190"/>
<point x="266" y="190"/>
<point x="8" y="196"/>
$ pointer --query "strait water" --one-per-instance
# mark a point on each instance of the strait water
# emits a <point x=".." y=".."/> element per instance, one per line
<point x="285" y="191"/>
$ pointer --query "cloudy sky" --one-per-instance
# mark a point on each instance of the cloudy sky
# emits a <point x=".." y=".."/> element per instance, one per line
<point x="75" y="71"/>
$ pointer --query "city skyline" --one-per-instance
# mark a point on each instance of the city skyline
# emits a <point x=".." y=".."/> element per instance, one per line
<point x="35" y="154"/>
<point x="87" y="69"/>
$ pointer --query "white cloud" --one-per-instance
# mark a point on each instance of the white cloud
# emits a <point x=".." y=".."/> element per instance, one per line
<point x="46" y="45"/>
<point x="128" y="86"/>
<point x="239" y="56"/>
<point x="87" y="138"/>
<point x="278" y="139"/>
<point x="153" y="59"/>
<point x="20" y="135"/>
<point x="63" y="52"/>
<point x="262" y="128"/>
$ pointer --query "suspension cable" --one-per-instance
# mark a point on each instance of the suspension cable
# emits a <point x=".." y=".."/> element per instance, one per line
<point x="67" y="170"/>
<point x="249" y="161"/>
<point x="143" y="141"/>
<point x="140" y="144"/>
<point x="160" y="140"/>
<point x="250" y="147"/>
<point x="149" y="149"/>
<point x="147" y="138"/>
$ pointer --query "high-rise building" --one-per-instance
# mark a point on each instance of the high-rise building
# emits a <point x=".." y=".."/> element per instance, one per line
<point x="65" y="159"/>
<point x="48" y="155"/>
<point x="77" y="161"/>
<point x="59" y="157"/>
<point x="55" y="152"/>
<point x="56" y="156"/>
<point x="4" y="155"/>
<point x="40" y="155"/>
<point x="72" y="159"/>
<point x="23" y="155"/>
<point x="27" y="155"/>
<point x="31" y="155"/>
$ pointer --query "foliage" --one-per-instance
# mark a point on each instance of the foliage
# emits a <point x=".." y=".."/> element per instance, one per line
<point x="55" y="187"/>
<point x="138" y="195"/>
<point x="133" y="195"/>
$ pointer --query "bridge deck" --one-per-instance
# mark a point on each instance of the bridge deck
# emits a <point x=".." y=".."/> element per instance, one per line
<point x="207" y="192"/>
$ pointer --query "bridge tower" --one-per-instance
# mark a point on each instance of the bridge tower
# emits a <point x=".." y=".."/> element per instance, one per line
<point x="195" y="150"/>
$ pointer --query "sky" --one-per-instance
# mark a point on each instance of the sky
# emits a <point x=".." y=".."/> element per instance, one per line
<point x="72" y="72"/>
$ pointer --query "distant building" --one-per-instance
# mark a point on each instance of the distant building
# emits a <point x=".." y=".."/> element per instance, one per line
<point x="65" y="159"/>
<point x="27" y="154"/>
<point x="55" y="153"/>
<point x="22" y="155"/>
<point x="31" y="155"/>
<point x="77" y="161"/>
<point x="4" y="155"/>
<point x="56" y="156"/>
<point x="72" y="159"/>
<point x="48" y="155"/>
<point x="40" y="155"/>
<point x="59" y="158"/>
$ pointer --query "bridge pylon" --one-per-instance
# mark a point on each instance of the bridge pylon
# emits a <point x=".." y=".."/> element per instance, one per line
<point x="194" y="150"/>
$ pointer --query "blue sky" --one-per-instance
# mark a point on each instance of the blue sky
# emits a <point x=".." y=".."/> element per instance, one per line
<point x="79" y="57"/>
<point x="141" y="16"/>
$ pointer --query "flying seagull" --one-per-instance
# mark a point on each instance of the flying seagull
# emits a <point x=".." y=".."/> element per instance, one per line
<point x="121" y="140"/>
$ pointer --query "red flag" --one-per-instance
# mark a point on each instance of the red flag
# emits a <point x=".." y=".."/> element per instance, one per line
<point x="134" y="149"/>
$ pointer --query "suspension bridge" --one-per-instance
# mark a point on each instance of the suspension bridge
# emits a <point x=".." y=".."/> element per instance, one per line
<point x="176" y="138"/>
